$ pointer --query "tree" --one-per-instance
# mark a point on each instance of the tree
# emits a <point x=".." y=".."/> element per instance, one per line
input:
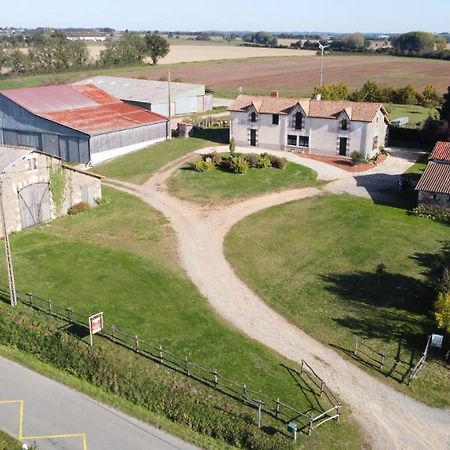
<point x="406" y="95"/>
<point x="18" y="62"/>
<point x="157" y="46"/>
<point x="444" y="110"/>
<point x="429" y="97"/>
<point x="337" y="91"/>
<point x="261" y="38"/>
<point x="129" y="48"/>
<point x="370" y="92"/>
<point x="414" y="42"/>
<point x="354" y="41"/>
<point x="442" y="311"/>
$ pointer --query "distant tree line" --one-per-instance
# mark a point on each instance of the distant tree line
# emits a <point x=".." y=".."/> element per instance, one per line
<point x="54" y="52"/>
<point x="372" y="92"/>
<point x="261" y="38"/>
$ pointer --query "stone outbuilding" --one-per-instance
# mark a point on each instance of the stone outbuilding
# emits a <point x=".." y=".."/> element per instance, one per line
<point x="36" y="188"/>
<point x="434" y="184"/>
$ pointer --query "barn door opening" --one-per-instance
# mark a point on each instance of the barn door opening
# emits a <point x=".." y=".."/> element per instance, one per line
<point x="35" y="204"/>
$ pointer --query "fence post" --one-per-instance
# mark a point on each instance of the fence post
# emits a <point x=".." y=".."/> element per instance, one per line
<point x="382" y="360"/>
<point x="301" y="368"/>
<point x="321" y="387"/>
<point x="338" y="413"/>
<point x="186" y="363"/>
<point x="260" y="405"/>
<point x="49" y="306"/>
<point x="310" y="427"/>
<point x="216" y="379"/>
<point x="160" y="354"/>
<point x="277" y="408"/>
<point x="356" y="346"/>
<point x="244" y="391"/>
<point x="69" y="310"/>
<point x="136" y="343"/>
<point x="113" y="333"/>
<point x="30" y="294"/>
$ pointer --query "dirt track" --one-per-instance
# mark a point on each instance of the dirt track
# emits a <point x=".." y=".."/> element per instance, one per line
<point x="391" y="419"/>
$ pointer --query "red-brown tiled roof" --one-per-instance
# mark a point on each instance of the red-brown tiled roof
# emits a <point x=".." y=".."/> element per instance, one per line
<point x="441" y="151"/>
<point x="327" y="109"/>
<point x="435" y="178"/>
<point x="85" y="108"/>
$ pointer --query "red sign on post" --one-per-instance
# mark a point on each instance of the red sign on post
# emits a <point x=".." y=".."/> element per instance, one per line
<point x="95" y="325"/>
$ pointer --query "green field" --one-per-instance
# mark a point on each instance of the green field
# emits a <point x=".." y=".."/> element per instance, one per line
<point x="120" y="258"/>
<point x="219" y="186"/>
<point x="137" y="167"/>
<point x="314" y="261"/>
<point x="416" y="114"/>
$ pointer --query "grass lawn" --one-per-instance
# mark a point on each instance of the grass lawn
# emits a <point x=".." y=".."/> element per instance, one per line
<point x="219" y="186"/>
<point x="8" y="443"/>
<point x="137" y="167"/>
<point x="314" y="261"/>
<point x="120" y="258"/>
<point x="415" y="113"/>
<point x="415" y="171"/>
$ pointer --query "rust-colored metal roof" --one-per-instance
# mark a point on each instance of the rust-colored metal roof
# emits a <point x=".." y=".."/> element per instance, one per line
<point x="85" y="108"/>
<point x="327" y="109"/>
<point x="441" y="151"/>
<point x="435" y="178"/>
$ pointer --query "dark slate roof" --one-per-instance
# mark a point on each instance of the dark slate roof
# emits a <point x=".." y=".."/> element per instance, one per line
<point x="435" y="178"/>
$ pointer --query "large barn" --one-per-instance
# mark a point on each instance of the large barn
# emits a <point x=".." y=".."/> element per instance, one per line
<point x="153" y="95"/>
<point x="77" y="123"/>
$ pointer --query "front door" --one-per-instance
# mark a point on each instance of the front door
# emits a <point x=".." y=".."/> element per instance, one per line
<point x="343" y="146"/>
<point x="253" y="138"/>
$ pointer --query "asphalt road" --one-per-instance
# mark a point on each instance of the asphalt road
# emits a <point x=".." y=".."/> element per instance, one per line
<point x="57" y="417"/>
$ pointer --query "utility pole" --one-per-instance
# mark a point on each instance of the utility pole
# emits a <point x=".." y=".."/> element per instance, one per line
<point x="169" y="91"/>
<point x="9" y="264"/>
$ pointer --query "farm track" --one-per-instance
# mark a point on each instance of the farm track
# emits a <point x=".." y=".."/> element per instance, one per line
<point x="390" y="419"/>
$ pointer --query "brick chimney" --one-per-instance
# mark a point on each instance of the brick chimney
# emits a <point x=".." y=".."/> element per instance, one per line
<point x="274" y="94"/>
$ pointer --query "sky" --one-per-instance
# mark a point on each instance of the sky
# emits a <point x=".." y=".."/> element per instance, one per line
<point x="384" y="16"/>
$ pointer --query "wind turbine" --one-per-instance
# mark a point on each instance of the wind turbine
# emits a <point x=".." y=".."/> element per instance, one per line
<point x="322" y="48"/>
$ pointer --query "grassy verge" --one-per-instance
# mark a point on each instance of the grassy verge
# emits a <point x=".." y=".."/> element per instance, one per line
<point x="120" y="258"/>
<point x="219" y="186"/>
<point x="315" y="260"/>
<point x="137" y="167"/>
<point x="8" y="443"/>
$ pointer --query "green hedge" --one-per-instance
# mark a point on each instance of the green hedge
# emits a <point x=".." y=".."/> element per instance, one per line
<point x="142" y="382"/>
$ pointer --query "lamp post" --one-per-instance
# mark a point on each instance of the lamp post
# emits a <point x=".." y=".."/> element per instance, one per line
<point x="322" y="48"/>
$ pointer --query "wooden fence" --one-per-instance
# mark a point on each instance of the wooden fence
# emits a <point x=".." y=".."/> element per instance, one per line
<point x="259" y="401"/>
<point x="381" y="360"/>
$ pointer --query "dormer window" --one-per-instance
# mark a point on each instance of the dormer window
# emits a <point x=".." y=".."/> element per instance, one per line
<point x="298" y="121"/>
<point x="344" y="124"/>
<point x="253" y="117"/>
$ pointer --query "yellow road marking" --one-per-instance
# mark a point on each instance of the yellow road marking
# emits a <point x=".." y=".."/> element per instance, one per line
<point x="53" y="436"/>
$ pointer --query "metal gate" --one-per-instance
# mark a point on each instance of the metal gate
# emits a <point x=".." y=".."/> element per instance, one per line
<point x="35" y="205"/>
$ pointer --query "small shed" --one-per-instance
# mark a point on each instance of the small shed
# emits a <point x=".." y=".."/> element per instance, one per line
<point x="434" y="184"/>
<point x="36" y="188"/>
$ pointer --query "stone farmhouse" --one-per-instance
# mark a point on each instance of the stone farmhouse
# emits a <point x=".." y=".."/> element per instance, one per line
<point x="36" y="187"/>
<point x="323" y="127"/>
<point x="434" y="184"/>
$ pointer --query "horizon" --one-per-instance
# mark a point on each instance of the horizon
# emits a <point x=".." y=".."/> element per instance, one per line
<point x="390" y="18"/>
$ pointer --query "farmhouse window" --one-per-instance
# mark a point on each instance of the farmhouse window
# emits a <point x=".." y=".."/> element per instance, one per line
<point x="253" y="117"/>
<point x="303" y="141"/>
<point x="298" y="121"/>
<point x="375" y="142"/>
<point x="275" y="119"/>
<point x="32" y="164"/>
<point x="344" y="124"/>
<point x="292" y="139"/>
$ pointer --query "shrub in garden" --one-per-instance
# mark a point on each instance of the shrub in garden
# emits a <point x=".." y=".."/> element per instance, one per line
<point x="237" y="164"/>
<point x="78" y="208"/>
<point x="252" y="160"/>
<point x="214" y="157"/>
<point x="203" y="165"/>
<point x="357" y="158"/>
<point x="264" y="161"/>
<point x="432" y="213"/>
<point x="277" y="162"/>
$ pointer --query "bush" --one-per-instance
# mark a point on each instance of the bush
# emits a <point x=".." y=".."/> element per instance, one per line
<point x="252" y="160"/>
<point x="277" y="162"/>
<point x="203" y="166"/>
<point x="264" y="161"/>
<point x="432" y="213"/>
<point x="214" y="157"/>
<point x="237" y="164"/>
<point x="78" y="208"/>
<point x="357" y="158"/>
